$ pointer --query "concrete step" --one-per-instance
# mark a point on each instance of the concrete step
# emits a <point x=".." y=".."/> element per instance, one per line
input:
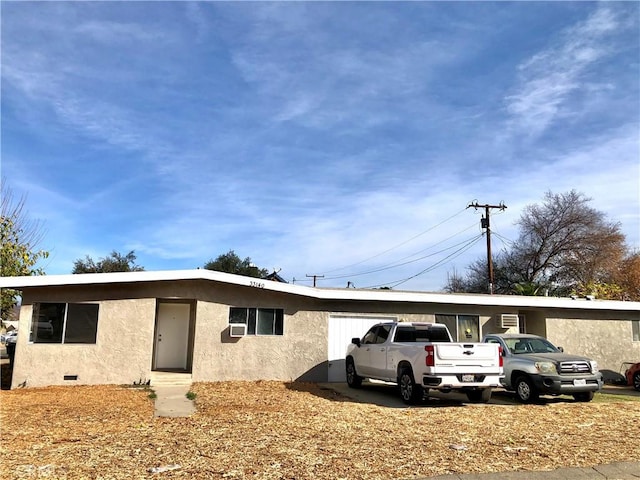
<point x="170" y="379"/>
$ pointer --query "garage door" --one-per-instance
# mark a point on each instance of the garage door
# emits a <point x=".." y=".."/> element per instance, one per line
<point x="341" y="330"/>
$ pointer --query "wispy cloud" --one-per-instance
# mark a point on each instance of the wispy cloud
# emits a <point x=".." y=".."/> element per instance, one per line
<point x="309" y="136"/>
<point x="549" y="78"/>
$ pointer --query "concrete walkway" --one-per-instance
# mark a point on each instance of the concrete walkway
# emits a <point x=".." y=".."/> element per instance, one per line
<point x="172" y="401"/>
<point x="613" y="471"/>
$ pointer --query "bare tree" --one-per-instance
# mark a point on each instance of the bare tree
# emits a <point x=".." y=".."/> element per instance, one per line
<point x="20" y="238"/>
<point x="565" y="242"/>
<point x="563" y="245"/>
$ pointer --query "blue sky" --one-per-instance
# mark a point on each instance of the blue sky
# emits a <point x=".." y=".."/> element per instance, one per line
<point x="332" y="139"/>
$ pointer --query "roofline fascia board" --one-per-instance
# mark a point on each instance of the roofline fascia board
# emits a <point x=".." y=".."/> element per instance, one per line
<point x="513" y="301"/>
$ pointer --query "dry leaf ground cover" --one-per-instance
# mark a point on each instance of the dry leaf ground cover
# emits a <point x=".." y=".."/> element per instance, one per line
<point x="274" y="430"/>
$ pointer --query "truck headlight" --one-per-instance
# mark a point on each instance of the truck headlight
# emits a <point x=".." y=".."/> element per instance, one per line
<point x="594" y="366"/>
<point x="546" y="367"/>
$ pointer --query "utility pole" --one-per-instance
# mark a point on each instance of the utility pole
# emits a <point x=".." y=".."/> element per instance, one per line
<point x="486" y="224"/>
<point x="314" y="278"/>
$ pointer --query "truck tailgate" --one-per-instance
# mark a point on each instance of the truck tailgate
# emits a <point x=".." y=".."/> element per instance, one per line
<point x="481" y="355"/>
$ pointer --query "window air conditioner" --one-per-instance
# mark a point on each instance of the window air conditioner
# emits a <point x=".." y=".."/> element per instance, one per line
<point x="509" y="320"/>
<point x="237" y="330"/>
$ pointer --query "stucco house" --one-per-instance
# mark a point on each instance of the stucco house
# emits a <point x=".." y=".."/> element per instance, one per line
<point x="120" y="328"/>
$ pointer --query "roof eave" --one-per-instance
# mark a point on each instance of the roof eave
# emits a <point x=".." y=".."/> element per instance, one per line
<point x="350" y="294"/>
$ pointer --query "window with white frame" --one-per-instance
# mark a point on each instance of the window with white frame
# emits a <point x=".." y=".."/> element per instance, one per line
<point x="259" y="321"/>
<point x="635" y="330"/>
<point x="64" y="323"/>
<point x="463" y="328"/>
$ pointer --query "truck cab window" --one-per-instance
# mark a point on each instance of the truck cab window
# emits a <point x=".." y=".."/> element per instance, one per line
<point x="370" y="336"/>
<point x="383" y="333"/>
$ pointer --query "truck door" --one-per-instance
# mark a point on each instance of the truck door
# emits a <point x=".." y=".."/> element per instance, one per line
<point x="378" y="353"/>
<point x="361" y="354"/>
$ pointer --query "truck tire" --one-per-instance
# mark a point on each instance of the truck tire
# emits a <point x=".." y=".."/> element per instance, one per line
<point x="353" y="379"/>
<point x="479" y="396"/>
<point x="636" y="381"/>
<point x="525" y="390"/>
<point x="410" y="392"/>
<point x="583" y="396"/>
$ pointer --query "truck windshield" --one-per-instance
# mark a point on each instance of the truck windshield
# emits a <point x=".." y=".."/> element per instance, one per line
<point x="410" y="333"/>
<point x="530" y="345"/>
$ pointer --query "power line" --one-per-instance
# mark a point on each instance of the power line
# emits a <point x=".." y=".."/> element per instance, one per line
<point x="395" y="246"/>
<point x="395" y="265"/>
<point x="506" y="241"/>
<point x="468" y="244"/>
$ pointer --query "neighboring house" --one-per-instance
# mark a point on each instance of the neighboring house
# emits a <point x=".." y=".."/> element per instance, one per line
<point x="274" y="277"/>
<point x="117" y="328"/>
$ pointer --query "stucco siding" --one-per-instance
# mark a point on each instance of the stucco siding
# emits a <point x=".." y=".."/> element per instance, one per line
<point x="300" y="350"/>
<point x="609" y="342"/>
<point x="121" y="354"/>
<point x="124" y="348"/>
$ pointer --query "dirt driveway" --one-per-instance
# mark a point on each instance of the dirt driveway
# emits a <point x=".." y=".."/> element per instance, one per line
<point x="273" y="430"/>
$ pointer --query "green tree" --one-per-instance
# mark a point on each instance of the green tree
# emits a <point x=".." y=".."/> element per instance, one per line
<point x="231" y="263"/>
<point x="19" y="253"/>
<point x="115" y="262"/>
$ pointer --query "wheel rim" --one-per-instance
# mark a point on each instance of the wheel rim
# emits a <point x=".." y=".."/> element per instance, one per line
<point x="524" y="391"/>
<point x="350" y="372"/>
<point x="406" y="387"/>
<point x="636" y="381"/>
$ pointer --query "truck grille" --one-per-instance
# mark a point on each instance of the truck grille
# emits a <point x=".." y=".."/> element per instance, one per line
<point x="569" y="368"/>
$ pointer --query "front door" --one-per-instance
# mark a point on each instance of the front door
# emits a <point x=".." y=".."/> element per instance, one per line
<point x="172" y="336"/>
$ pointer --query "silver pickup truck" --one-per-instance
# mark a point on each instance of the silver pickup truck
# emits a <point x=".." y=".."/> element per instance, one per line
<point x="534" y="366"/>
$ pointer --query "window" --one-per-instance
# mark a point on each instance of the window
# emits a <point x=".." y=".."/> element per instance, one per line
<point x="370" y="336"/>
<point x="64" y="323"/>
<point x="259" y="321"/>
<point x="463" y="328"/>
<point x="522" y="323"/>
<point x="421" y="333"/>
<point x="635" y="330"/>
<point x="377" y="334"/>
<point x="383" y="333"/>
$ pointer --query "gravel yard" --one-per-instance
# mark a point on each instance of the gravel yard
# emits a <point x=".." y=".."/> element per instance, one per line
<point x="277" y="430"/>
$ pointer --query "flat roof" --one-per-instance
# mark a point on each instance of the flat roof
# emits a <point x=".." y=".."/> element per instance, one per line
<point x="354" y="294"/>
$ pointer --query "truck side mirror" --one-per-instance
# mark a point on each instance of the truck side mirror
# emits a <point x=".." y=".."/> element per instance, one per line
<point x="561" y="349"/>
<point x="355" y="341"/>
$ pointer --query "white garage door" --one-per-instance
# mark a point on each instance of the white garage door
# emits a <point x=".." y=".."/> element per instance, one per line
<point x="341" y="330"/>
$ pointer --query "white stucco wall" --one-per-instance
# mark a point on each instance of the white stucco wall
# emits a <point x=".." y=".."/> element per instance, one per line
<point x="290" y="356"/>
<point x="609" y="342"/>
<point x="121" y="354"/>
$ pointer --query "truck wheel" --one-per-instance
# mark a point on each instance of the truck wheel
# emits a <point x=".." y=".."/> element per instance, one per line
<point x="479" y="396"/>
<point x="583" y="396"/>
<point x="353" y="379"/>
<point x="410" y="392"/>
<point x="636" y="381"/>
<point x="525" y="391"/>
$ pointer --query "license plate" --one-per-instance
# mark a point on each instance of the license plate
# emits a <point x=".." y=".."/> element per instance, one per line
<point x="578" y="382"/>
<point x="468" y="378"/>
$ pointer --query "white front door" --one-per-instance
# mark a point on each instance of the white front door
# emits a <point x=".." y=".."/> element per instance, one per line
<point x="172" y="336"/>
<point x="342" y="329"/>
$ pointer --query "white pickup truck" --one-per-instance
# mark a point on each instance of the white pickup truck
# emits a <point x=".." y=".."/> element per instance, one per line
<point x="422" y="356"/>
